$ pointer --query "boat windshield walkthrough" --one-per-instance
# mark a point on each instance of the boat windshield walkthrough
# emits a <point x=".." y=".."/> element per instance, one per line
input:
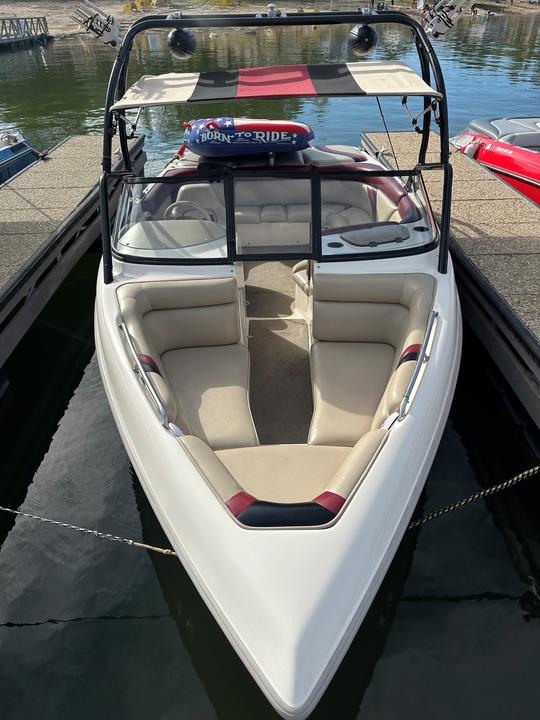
<point x="279" y="335"/>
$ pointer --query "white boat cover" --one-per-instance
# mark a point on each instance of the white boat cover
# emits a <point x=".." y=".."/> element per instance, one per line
<point x="378" y="78"/>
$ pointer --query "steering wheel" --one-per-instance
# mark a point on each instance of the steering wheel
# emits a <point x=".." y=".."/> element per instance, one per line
<point x="179" y="209"/>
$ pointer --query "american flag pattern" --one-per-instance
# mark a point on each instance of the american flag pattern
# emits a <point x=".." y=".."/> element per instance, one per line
<point x="241" y="136"/>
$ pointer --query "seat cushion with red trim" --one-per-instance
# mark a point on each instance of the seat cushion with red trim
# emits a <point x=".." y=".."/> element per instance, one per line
<point x="295" y="485"/>
<point x="188" y="337"/>
<point x="367" y="334"/>
<point x="283" y="473"/>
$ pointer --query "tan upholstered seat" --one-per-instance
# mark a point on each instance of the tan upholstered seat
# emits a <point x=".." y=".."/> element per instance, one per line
<point x="284" y="473"/>
<point x="191" y="330"/>
<point x="270" y="213"/>
<point x="210" y="384"/>
<point x="349" y="381"/>
<point x="361" y="328"/>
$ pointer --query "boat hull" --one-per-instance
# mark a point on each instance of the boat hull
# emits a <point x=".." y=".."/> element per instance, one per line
<point x="291" y="622"/>
<point x="516" y="166"/>
<point x="524" y="185"/>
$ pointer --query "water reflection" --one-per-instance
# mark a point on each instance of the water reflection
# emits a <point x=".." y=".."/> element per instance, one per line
<point x="491" y="66"/>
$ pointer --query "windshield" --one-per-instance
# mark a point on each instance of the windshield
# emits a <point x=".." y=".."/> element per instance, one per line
<point x="185" y="219"/>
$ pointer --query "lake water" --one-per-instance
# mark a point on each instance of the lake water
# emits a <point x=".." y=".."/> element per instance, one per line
<point x="95" y="630"/>
<point x="491" y="67"/>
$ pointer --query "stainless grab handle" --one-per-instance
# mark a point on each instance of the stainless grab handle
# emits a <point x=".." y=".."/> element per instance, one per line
<point x="162" y="410"/>
<point x="422" y="358"/>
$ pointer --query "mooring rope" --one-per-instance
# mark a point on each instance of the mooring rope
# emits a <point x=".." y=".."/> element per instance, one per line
<point x="525" y="475"/>
<point x="88" y="531"/>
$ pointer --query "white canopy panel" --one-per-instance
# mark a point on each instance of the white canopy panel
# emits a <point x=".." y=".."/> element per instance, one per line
<point x="378" y="78"/>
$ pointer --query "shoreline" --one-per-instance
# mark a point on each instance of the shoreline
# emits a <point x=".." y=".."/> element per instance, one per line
<point x="60" y="24"/>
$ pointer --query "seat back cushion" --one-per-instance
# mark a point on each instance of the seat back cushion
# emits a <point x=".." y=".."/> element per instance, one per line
<point x="190" y="330"/>
<point x="179" y="314"/>
<point x="207" y="195"/>
<point x="267" y="211"/>
<point x="210" y="467"/>
<point x="367" y="332"/>
<point x="356" y="463"/>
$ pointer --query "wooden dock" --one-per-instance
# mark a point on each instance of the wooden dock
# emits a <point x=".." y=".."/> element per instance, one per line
<point x="18" y="32"/>
<point x="495" y="243"/>
<point x="49" y="216"/>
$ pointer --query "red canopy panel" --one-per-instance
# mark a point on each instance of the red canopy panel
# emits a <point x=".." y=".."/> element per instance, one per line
<point x="343" y="79"/>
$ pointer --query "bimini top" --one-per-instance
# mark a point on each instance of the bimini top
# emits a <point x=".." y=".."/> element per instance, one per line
<point x="360" y="78"/>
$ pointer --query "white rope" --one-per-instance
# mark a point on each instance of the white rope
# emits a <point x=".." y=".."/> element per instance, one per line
<point x="88" y="531"/>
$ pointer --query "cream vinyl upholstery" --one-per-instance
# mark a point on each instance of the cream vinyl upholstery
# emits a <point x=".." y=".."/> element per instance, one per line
<point x="191" y="329"/>
<point x="361" y="326"/>
<point x="211" y="386"/>
<point x="267" y="212"/>
<point x="211" y="467"/>
<point x="284" y="473"/>
<point x="349" y="380"/>
<point x="356" y="462"/>
<point x="302" y="275"/>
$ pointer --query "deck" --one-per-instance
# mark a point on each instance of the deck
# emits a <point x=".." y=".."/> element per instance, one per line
<point x="49" y="216"/>
<point x="20" y="31"/>
<point x="495" y="241"/>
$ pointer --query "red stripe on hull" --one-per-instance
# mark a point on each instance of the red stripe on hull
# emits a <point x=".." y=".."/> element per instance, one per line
<point x="331" y="501"/>
<point x="277" y="81"/>
<point x="239" y="502"/>
<point x="525" y="188"/>
<point x="517" y="166"/>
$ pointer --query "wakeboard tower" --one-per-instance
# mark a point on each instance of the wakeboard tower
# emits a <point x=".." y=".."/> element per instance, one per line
<point x="286" y="541"/>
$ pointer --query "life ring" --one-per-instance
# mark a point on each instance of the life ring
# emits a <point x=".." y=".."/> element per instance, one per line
<point x="218" y="137"/>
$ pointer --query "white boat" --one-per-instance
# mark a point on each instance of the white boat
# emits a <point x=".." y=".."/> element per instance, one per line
<point x="287" y="542"/>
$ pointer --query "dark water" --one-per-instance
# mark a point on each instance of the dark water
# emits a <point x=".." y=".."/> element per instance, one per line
<point x="92" y="630"/>
<point x="95" y="630"/>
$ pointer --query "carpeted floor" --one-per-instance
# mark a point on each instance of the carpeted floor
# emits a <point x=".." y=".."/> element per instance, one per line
<point x="280" y="384"/>
<point x="269" y="288"/>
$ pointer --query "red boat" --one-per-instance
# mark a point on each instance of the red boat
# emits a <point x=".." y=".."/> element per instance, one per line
<point x="510" y="147"/>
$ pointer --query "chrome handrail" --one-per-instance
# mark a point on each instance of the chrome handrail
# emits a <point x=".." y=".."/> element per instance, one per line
<point x="422" y="358"/>
<point x="138" y="368"/>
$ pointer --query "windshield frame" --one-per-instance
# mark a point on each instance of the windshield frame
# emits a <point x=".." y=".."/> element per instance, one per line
<point x="315" y="174"/>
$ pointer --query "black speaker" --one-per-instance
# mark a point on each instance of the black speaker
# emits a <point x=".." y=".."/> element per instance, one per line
<point x="182" y="43"/>
<point x="362" y="39"/>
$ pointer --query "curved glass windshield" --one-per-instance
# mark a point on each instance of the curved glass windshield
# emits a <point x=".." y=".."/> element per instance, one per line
<point x="376" y="214"/>
<point x="172" y="221"/>
<point x="185" y="219"/>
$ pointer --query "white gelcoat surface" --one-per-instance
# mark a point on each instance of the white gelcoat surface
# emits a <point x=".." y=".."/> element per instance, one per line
<point x="289" y="600"/>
